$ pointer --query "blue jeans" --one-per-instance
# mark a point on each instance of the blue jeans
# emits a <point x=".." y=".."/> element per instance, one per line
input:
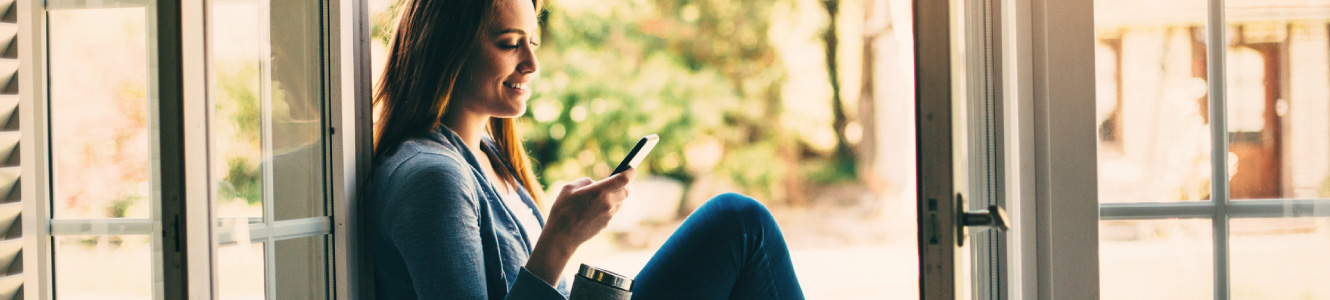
<point x="730" y="248"/>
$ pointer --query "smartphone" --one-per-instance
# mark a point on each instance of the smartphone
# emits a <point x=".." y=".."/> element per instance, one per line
<point x="639" y="152"/>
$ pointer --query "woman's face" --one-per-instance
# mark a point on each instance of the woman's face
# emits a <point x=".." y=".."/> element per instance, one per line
<point x="496" y="79"/>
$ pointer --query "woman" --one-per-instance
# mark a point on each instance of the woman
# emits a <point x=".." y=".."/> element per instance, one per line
<point x="455" y="205"/>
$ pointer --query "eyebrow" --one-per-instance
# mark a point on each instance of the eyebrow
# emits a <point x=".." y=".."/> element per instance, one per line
<point x="514" y="30"/>
<point x="510" y="30"/>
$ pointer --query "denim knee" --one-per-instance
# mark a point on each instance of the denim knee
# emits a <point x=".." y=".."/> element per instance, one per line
<point x="751" y="214"/>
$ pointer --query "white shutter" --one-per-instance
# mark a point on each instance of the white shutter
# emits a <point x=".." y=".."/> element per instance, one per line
<point x="11" y="205"/>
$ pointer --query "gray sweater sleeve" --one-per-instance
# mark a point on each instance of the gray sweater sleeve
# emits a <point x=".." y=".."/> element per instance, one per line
<point x="435" y="225"/>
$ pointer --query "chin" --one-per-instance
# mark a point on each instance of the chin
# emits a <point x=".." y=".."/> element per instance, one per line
<point x="513" y="115"/>
<point x="513" y="111"/>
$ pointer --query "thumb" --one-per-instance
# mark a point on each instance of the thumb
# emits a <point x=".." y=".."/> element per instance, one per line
<point x="614" y="183"/>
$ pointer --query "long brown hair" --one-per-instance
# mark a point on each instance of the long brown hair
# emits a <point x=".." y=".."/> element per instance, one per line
<point x="432" y="44"/>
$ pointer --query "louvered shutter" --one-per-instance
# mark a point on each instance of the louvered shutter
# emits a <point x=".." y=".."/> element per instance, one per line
<point x="11" y="205"/>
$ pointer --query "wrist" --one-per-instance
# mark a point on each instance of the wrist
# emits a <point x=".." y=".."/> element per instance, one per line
<point x="549" y="257"/>
<point x="552" y="245"/>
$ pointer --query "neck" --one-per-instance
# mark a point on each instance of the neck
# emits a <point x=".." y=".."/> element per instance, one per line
<point x="468" y="126"/>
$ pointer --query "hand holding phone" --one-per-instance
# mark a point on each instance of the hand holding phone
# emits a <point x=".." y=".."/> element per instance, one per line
<point x="638" y="153"/>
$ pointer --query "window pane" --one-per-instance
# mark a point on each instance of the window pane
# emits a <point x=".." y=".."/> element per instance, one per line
<point x="1278" y="98"/>
<point x="240" y="271"/>
<point x="297" y="110"/>
<point x="236" y="106"/>
<point x="1280" y="258"/>
<point x="100" y="142"/>
<point x="103" y="267"/>
<point x="302" y="268"/>
<point x="267" y="108"/>
<point x="1154" y="140"/>
<point x="1157" y="259"/>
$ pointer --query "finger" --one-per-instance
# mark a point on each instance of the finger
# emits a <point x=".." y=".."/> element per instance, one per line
<point x="631" y="173"/>
<point x="615" y="197"/>
<point x="622" y="194"/>
<point x="581" y="182"/>
<point x="616" y="182"/>
<point x="575" y="184"/>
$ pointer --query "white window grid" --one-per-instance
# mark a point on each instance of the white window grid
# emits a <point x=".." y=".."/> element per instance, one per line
<point x="1220" y="210"/>
<point x="261" y="230"/>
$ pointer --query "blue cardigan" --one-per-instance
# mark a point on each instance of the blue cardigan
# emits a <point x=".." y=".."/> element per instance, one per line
<point x="440" y="230"/>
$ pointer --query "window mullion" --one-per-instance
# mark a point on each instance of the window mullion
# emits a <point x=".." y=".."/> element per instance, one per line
<point x="266" y="89"/>
<point x="166" y="102"/>
<point x="1270" y="208"/>
<point x="1216" y="47"/>
<point x="198" y="217"/>
<point x="1148" y="211"/>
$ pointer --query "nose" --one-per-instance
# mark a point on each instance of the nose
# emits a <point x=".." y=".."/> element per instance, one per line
<point x="528" y="64"/>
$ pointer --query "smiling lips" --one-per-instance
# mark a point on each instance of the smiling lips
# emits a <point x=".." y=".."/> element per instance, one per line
<point x="520" y="87"/>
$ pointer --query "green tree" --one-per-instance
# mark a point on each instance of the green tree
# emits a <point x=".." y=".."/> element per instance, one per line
<point x="702" y="74"/>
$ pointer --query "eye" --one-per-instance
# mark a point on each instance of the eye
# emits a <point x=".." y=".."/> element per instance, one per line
<point x="508" y="46"/>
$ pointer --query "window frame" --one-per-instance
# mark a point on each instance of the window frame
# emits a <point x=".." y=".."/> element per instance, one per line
<point x="1048" y="66"/>
<point x="1220" y="210"/>
<point x="164" y="96"/>
<point x="182" y="214"/>
<point x="352" y="129"/>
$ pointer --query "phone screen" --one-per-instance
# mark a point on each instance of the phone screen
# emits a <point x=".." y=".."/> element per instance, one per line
<point x="638" y="153"/>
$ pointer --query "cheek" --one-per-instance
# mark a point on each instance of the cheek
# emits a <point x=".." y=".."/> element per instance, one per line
<point x="492" y="67"/>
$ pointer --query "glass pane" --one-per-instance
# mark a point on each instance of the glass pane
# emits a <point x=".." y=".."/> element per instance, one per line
<point x="1151" y="98"/>
<point x="1278" y="108"/>
<point x="100" y="141"/>
<point x="235" y="77"/>
<point x="240" y="271"/>
<point x="302" y="268"/>
<point x="1156" y="259"/>
<point x="267" y="108"/>
<point x="103" y="267"/>
<point x="1280" y="258"/>
<point x="724" y="99"/>
<point x="297" y="110"/>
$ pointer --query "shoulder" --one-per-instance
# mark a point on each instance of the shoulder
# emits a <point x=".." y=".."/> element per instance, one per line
<point x="421" y="155"/>
<point x="426" y="164"/>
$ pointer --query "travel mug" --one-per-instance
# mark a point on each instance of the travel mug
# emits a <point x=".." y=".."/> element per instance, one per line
<point x="592" y="283"/>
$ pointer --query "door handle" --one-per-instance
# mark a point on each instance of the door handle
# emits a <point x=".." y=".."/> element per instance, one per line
<point x="993" y="217"/>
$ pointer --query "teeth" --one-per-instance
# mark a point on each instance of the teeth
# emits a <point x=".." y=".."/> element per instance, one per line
<point x="520" y="86"/>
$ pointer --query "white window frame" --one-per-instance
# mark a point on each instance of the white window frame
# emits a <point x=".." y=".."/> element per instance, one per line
<point x="38" y="225"/>
<point x="1049" y="148"/>
<point x="1050" y="55"/>
<point x="1219" y="210"/>
<point x="353" y="150"/>
<point x="347" y="125"/>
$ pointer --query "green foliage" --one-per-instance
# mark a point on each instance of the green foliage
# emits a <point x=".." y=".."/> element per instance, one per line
<point x="690" y="71"/>
<point x="241" y="87"/>
<point x="238" y="106"/>
<point x="120" y="206"/>
<point x="383" y="24"/>
<point x="702" y="74"/>
<point x="830" y="170"/>
<point x="243" y="181"/>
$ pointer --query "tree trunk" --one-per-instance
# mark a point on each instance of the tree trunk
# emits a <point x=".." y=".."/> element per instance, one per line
<point x="844" y="155"/>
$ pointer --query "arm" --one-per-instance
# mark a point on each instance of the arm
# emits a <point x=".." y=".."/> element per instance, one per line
<point x="582" y="209"/>
<point x="436" y="228"/>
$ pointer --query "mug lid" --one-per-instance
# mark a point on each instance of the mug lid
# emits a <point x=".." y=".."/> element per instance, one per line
<point x="605" y="277"/>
